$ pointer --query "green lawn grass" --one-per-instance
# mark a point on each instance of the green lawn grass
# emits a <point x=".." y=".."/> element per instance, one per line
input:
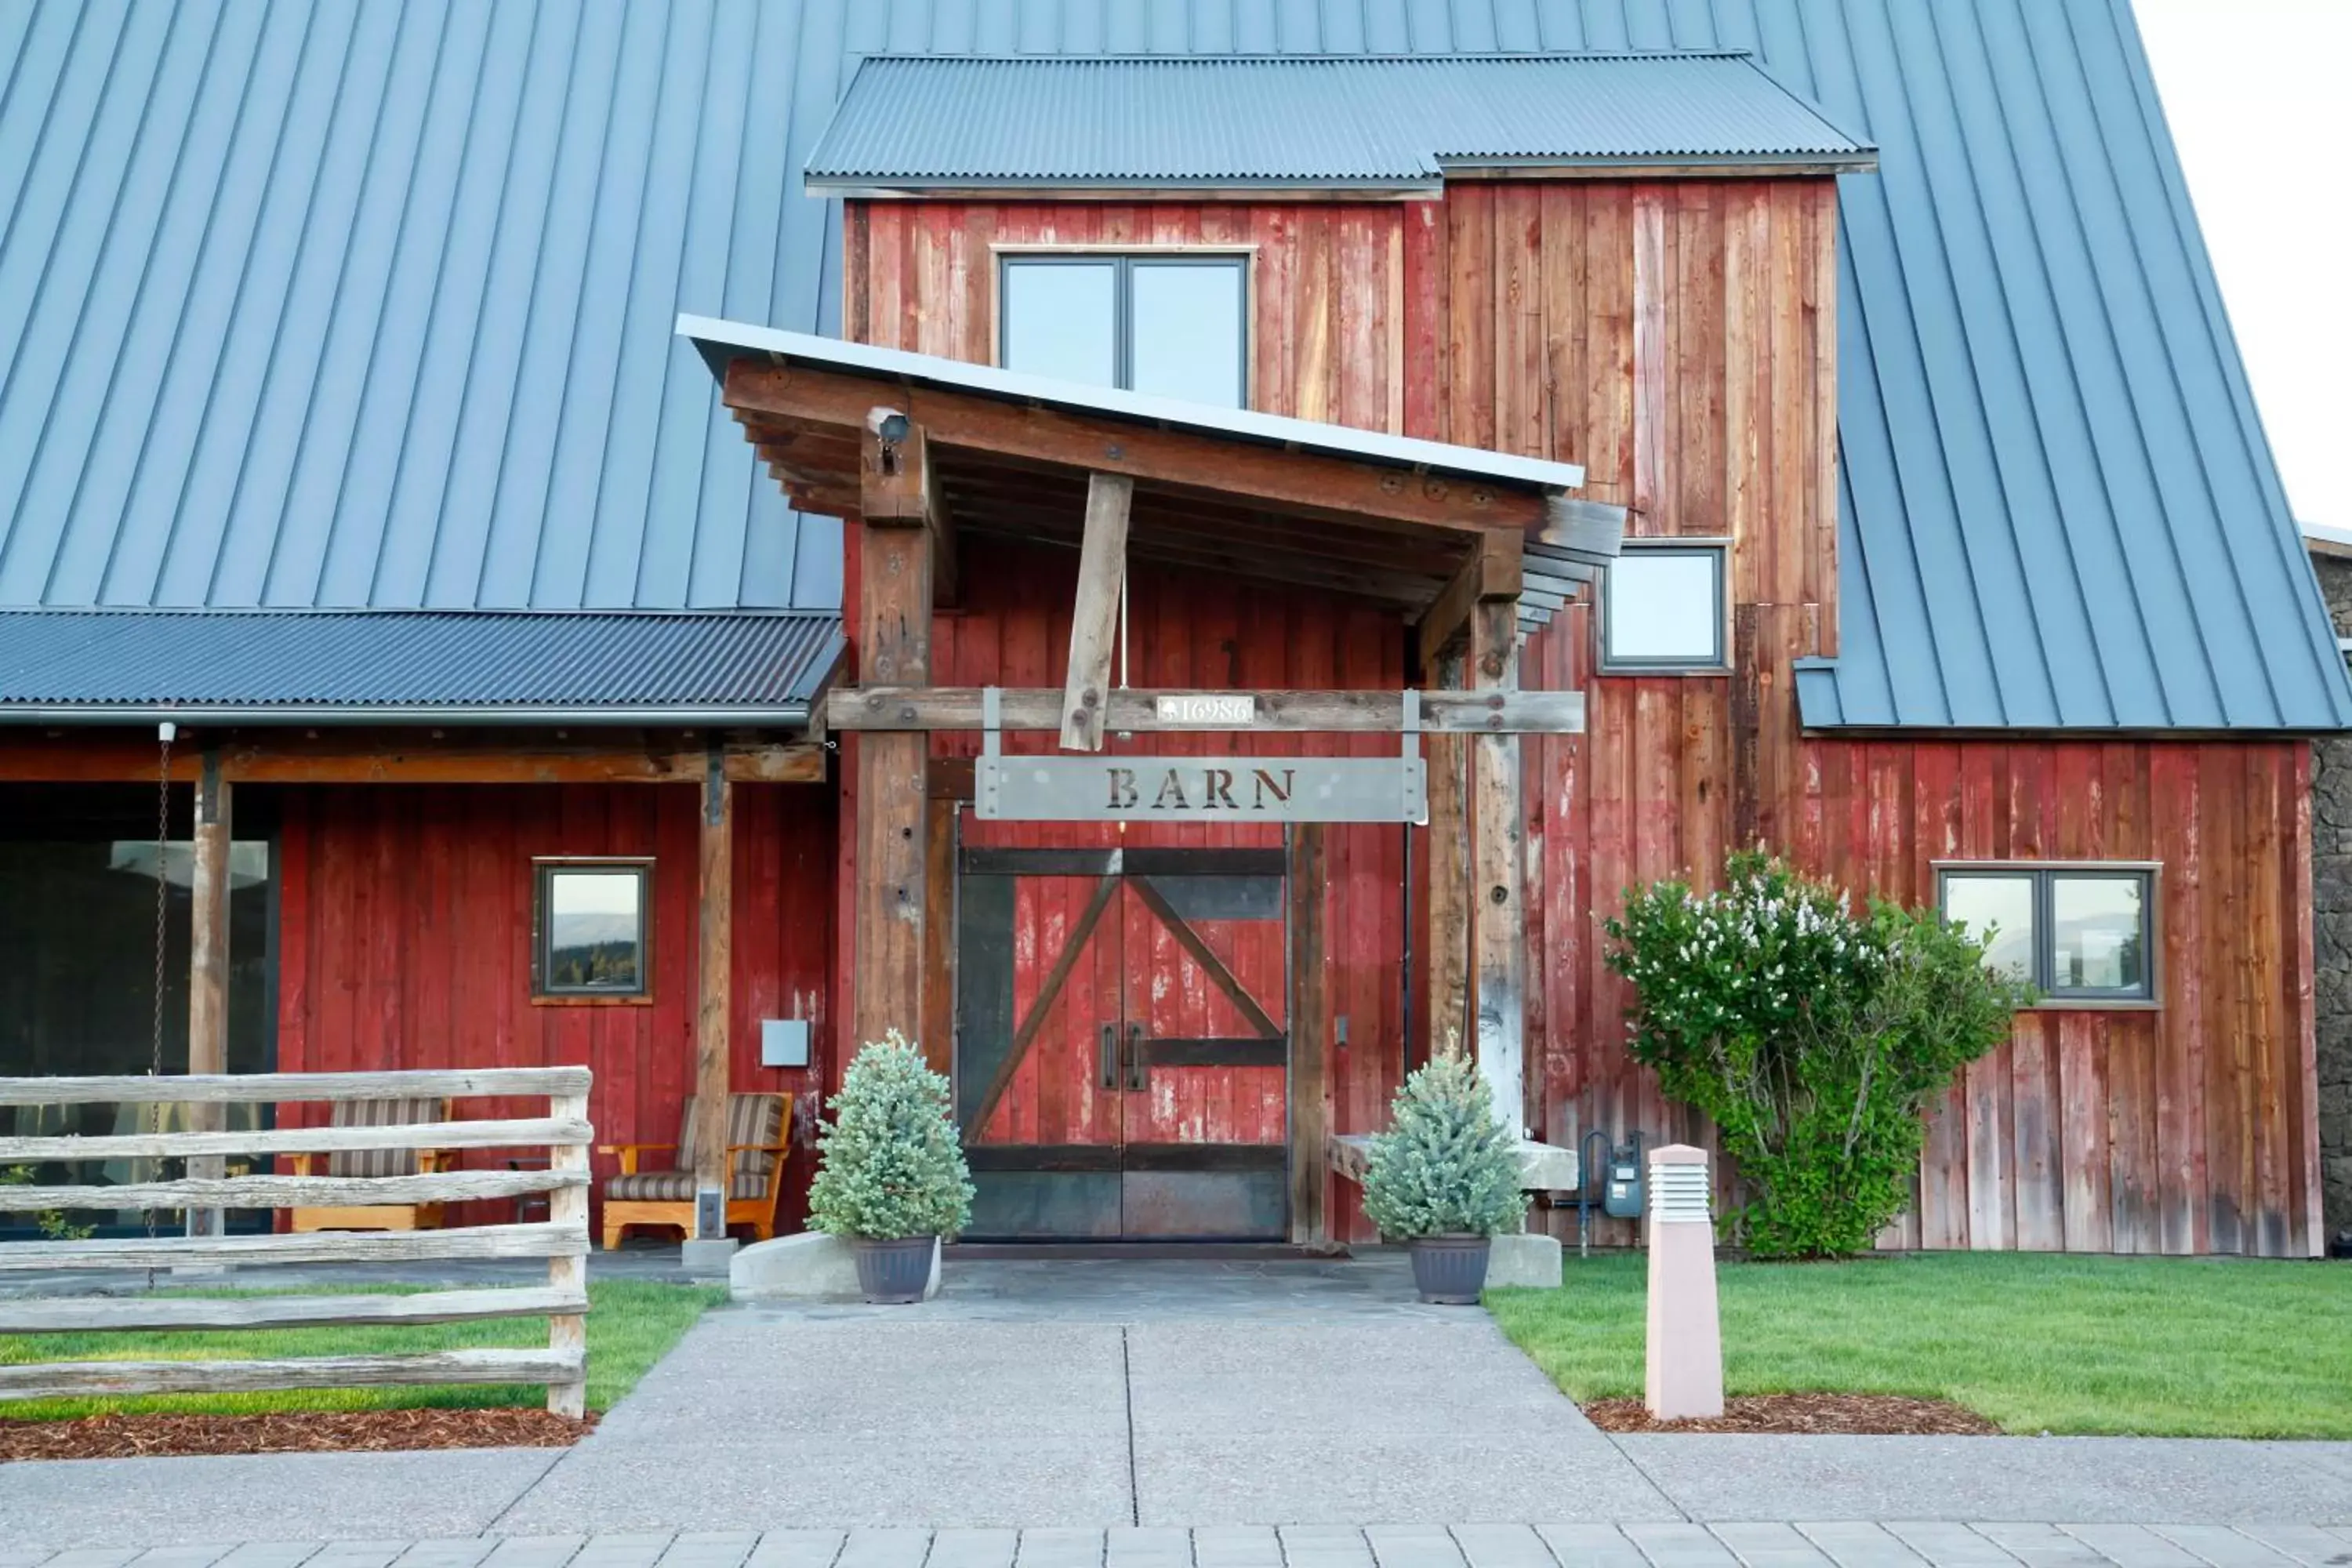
<point x="632" y="1323"/>
<point x="2175" y="1347"/>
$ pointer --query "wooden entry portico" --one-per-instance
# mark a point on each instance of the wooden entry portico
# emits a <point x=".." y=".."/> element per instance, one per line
<point x="961" y="482"/>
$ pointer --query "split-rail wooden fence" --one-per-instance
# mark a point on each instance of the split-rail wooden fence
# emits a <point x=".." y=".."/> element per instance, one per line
<point x="564" y="1133"/>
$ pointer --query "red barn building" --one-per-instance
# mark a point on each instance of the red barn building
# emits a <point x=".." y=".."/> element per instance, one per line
<point x="1524" y="465"/>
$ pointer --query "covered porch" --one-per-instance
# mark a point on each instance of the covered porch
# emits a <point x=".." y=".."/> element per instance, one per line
<point x="1183" y="795"/>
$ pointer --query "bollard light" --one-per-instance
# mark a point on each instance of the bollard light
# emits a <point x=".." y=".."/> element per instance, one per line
<point x="1684" y="1378"/>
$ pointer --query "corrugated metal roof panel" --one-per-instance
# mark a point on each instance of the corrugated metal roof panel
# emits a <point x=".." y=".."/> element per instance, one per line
<point x="371" y="303"/>
<point x="585" y="665"/>
<point x="913" y="122"/>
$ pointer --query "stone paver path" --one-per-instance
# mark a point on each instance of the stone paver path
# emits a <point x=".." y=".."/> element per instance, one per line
<point x="1946" y="1544"/>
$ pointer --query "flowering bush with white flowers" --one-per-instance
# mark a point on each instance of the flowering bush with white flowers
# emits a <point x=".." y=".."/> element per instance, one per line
<point x="1813" y="1035"/>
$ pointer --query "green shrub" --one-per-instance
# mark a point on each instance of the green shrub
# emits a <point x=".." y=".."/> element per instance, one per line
<point x="890" y="1164"/>
<point x="1814" y="1037"/>
<point x="1446" y="1165"/>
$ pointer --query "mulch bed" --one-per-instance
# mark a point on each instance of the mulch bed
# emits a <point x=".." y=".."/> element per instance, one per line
<point x="286" y="1432"/>
<point x="1856" y="1414"/>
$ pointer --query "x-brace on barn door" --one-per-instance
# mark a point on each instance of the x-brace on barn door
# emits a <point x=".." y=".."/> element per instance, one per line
<point x="1122" y="1050"/>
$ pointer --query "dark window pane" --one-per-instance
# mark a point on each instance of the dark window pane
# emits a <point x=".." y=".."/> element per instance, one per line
<point x="1663" y="608"/>
<point x="2003" y="905"/>
<point x="596" y="931"/>
<point x="1061" y="318"/>
<point x="1188" y="331"/>
<point x="2098" y="932"/>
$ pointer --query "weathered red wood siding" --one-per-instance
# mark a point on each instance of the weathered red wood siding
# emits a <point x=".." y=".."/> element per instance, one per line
<point x="1679" y="339"/>
<point x="405" y="938"/>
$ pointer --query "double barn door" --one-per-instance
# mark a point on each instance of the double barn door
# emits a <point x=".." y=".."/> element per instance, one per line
<point x="1122" y="1052"/>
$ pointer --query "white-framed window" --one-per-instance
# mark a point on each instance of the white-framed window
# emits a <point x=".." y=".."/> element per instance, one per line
<point x="591" y="928"/>
<point x="2079" y="932"/>
<point x="1173" y="325"/>
<point x="1664" y="609"/>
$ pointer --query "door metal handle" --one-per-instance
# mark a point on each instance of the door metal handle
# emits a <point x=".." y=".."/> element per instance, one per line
<point x="1135" y="1071"/>
<point x="1109" y="1056"/>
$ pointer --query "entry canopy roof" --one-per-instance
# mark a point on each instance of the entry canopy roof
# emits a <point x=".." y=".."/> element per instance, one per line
<point x="1387" y="518"/>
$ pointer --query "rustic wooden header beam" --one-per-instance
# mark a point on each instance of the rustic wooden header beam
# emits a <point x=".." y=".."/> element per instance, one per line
<point x="1492" y="574"/>
<point x="898" y="485"/>
<point x="1492" y="711"/>
<point x="1306" y="481"/>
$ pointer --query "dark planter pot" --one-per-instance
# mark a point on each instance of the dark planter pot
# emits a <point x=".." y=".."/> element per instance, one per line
<point x="893" y="1273"/>
<point x="1450" y="1271"/>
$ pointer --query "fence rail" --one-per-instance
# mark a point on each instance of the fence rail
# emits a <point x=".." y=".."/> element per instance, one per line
<point x="564" y="1133"/>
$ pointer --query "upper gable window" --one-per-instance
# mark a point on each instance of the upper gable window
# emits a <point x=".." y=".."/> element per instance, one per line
<point x="1173" y="325"/>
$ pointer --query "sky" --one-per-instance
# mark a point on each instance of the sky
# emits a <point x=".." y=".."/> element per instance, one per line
<point x="2255" y="92"/>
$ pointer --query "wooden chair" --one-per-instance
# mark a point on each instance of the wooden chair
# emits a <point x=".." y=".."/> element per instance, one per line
<point x="377" y="1162"/>
<point x="758" y="1142"/>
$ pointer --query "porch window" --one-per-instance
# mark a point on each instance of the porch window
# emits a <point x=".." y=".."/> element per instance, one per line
<point x="590" y="930"/>
<point x="1662" y="608"/>
<point x="1170" y="325"/>
<point x="2077" y="932"/>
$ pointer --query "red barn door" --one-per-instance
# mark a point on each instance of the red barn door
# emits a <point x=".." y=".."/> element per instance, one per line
<point x="1122" y="1050"/>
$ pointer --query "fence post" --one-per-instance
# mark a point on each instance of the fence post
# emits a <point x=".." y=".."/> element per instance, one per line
<point x="1683" y="1377"/>
<point x="568" y="1206"/>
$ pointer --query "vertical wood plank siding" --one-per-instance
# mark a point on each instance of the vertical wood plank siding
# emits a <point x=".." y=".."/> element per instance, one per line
<point x="1679" y="339"/>
<point x="405" y="921"/>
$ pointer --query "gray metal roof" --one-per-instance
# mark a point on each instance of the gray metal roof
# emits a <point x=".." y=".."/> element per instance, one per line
<point x="1389" y="124"/>
<point x="372" y="303"/>
<point x="722" y="341"/>
<point x="742" y="667"/>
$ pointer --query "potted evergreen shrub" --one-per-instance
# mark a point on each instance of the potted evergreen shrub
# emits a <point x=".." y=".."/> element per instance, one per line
<point x="891" y="1177"/>
<point x="1445" y="1177"/>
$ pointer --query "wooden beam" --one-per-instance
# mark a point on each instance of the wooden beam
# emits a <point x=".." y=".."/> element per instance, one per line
<point x="208" y="913"/>
<point x="1304" y="482"/>
<point x="363" y="757"/>
<point x="1493" y="711"/>
<point x="715" y="931"/>
<point x="1493" y="572"/>
<point x="898" y="487"/>
<point x="893" y="826"/>
<point x="1498" y="951"/>
<point x="1446" y="931"/>
<point x="1094" y="620"/>
<point x="1310" y="1033"/>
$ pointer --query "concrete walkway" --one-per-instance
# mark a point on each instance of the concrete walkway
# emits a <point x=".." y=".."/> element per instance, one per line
<point x="1101" y="1395"/>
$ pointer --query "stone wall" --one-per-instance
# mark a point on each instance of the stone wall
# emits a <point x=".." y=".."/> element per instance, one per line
<point x="2331" y="890"/>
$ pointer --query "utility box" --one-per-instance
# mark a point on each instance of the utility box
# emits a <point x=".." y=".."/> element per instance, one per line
<point x="783" y="1042"/>
<point x="1623" y="1186"/>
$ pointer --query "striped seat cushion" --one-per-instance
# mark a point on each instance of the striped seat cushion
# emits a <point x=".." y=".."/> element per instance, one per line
<point x="382" y="1113"/>
<point x="675" y="1187"/>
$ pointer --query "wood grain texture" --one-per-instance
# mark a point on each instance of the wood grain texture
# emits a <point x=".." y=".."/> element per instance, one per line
<point x="1094" y="618"/>
<point x="495" y="1134"/>
<point x="487" y="1241"/>
<point x="714" y="931"/>
<point x="289" y="1191"/>
<point x="46" y="1380"/>
<point x="129" y="1314"/>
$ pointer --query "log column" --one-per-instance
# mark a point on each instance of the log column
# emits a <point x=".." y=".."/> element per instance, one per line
<point x="715" y="923"/>
<point x="1498" y="954"/>
<point x="208" y="887"/>
<point x="894" y="648"/>
<point x="1447" y="936"/>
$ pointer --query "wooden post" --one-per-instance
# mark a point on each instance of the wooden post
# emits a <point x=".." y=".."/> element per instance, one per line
<point x="1446" y="931"/>
<point x="893" y="828"/>
<point x="715" y="883"/>
<point x="1094" y="620"/>
<point x="208" y="887"/>
<point x="1499" y="955"/>
<point x="567" y="1276"/>
<point x="1310" y="1034"/>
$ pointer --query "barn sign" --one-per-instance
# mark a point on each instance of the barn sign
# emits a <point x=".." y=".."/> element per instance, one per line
<point x="1200" y="789"/>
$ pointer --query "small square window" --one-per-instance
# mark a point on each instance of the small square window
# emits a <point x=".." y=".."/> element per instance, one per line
<point x="2077" y="933"/>
<point x="590" y="929"/>
<point x="1662" y="608"/>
